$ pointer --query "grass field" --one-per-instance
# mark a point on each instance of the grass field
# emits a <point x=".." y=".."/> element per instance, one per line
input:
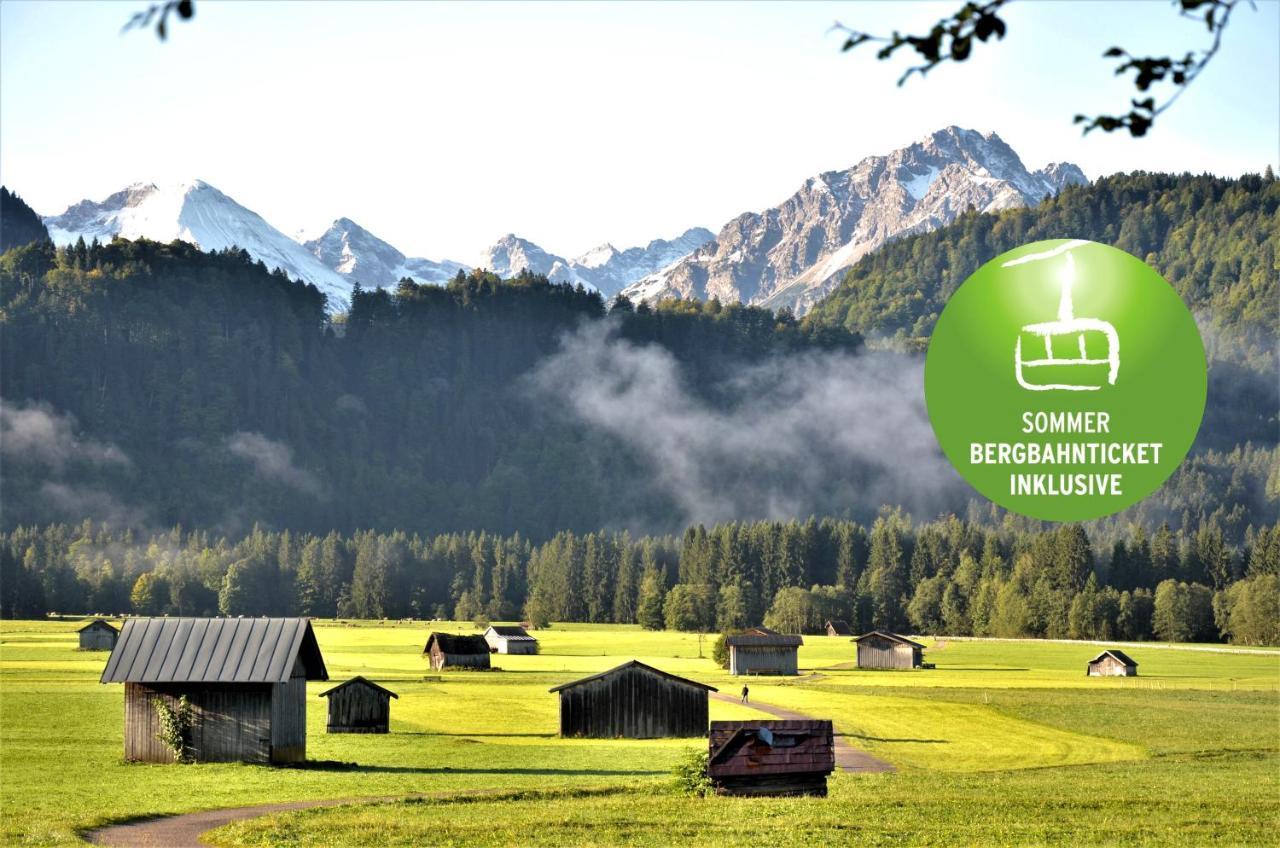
<point x="1004" y="742"/>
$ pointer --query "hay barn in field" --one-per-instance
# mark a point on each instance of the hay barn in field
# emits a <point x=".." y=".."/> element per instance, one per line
<point x="837" y="627"/>
<point x="447" y="650"/>
<point x="881" y="649"/>
<point x="510" y="640"/>
<point x="764" y="651"/>
<point x="635" y="701"/>
<point x="1112" y="663"/>
<point x="245" y="680"/>
<point x="791" y="757"/>
<point x="359" y="706"/>
<point x="98" y="635"/>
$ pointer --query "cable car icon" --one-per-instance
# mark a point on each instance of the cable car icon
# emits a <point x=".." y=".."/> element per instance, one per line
<point x="1068" y="363"/>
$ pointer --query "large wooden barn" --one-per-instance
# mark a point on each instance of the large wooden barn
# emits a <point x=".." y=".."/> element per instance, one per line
<point x="359" y="706"/>
<point x="881" y="649"/>
<point x="244" y="678"/>
<point x="98" y="635"/>
<point x="791" y="757"/>
<point x="635" y="701"/>
<point x="448" y="650"/>
<point x="1112" y="663"/>
<point x="763" y="651"/>
<point x="510" y="640"/>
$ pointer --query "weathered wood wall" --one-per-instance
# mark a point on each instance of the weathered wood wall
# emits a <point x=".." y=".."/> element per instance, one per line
<point x="1111" y="667"/>
<point x="634" y="704"/>
<point x="874" y="652"/>
<point x="359" y="709"/>
<point x="289" y="718"/>
<point x="441" y="660"/>
<point x="98" y="639"/>
<point x="508" y="646"/>
<point x="763" y="659"/>
<point x="231" y="721"/>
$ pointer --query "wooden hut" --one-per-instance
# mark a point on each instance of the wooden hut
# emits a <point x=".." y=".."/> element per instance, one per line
<point x="635" y="701"/>
<point x="1112" y="663"/>
<point x="510" y="640"/>
<point x="791" y="757"/>
<point x="763" y="651"/>
<point x="358" y="706"/>
<point x="98" y="635"/>
<point x="839" y="627"/>
<point x="448" y="650"/>
<point x="881" y="649"/>
<point x="245" y="680"/>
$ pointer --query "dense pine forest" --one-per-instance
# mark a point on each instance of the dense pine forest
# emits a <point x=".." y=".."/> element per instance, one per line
<point x="455" y="451"/>
<point x="946" y="576"/>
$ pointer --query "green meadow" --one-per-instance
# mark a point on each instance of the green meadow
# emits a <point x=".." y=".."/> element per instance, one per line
<point x="1002" y="743"/>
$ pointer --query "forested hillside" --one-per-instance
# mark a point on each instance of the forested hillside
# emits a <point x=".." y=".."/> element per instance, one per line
<point x="19" y="223"/>
<point x="151" y="384"/>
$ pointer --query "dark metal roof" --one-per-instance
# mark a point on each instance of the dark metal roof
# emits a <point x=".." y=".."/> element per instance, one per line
<point x="452" y="643"/>
<point x="518" y="634"/>
<point x="97" y="622"/>
<point x="759" y="748"/>
<point x="892" y="637"/>
<point x="840" y="626"/>
<point x="1118" y="654"/>
<point x="633" y="664"/>
<point x="213" y="650"/>
<point x="760" y="637"/>
<point x="358" y="681"/>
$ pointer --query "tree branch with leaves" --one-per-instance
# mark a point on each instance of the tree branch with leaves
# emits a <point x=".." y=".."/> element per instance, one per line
<point x="953" y="39"/>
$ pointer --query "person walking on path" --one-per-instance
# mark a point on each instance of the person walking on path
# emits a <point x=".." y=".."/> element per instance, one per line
<point x="745" y="692"/>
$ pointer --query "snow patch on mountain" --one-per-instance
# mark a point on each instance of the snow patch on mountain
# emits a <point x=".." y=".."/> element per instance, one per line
<point x="195" y="212"/>
<point x="361" y="257"/>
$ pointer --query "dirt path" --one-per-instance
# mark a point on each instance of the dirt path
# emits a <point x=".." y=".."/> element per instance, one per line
<point x="848" y="758"/>
<point x="184" y="831"/>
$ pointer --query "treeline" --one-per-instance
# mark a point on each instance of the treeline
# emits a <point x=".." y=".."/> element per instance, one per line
<point x="230" y="397"/>
<point x="942" y="577"/>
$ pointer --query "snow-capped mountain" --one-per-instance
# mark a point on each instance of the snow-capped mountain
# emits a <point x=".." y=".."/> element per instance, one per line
<point x="361" y="257"/>
<point x="604" y="268"/>
<point x="198" y="213"/>
<point x="794" y="253"/>
<point x="511" y="254"/>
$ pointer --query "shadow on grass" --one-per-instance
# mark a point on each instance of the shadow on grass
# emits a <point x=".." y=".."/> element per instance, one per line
<point x="866" y="738"/>
<point x="330" y="765"/>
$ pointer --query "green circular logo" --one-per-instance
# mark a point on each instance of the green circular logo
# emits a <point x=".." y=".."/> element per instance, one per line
<point x="1065" y="380"/>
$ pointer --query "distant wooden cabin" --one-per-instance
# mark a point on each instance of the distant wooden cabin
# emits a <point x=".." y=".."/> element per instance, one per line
<point x="359" y="706"/>
<point x="790" y="757"/>
<point x="881" y="649"/>
<point x="447" y="650"/>
<point x="839" y="627"/>
<point x="244" y="678"/>
<point x="1112" y="663"/>
<point x="763" y="651"/>
<point x="98" y="635"/>
<point x="635" y="701"/>
<point x="510" y="640"/>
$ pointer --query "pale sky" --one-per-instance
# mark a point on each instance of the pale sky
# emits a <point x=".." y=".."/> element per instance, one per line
<point x="442" y="127"/>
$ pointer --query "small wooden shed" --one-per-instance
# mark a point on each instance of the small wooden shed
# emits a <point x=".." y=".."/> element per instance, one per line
<point x="98" y="635"/>
<point x="635" y="701"/>
<point x="839" y="627"/>
<point x="881" y="649"/>
<point x="510" y="640"/>
<point x="1112" y="663"/>
<point x="245" y="680"/>
<point x="791" y="757"/>
<point x="448" y="650"/>
<point x="359" y="706"/>
<point x="764" y="651"/>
